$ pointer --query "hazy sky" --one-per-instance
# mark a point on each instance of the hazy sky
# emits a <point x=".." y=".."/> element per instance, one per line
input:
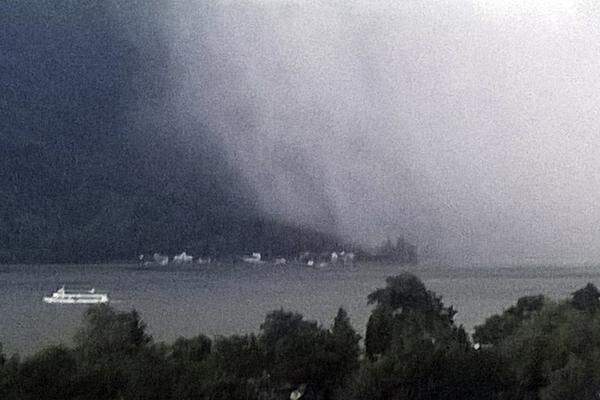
<point x="469" y="127"/>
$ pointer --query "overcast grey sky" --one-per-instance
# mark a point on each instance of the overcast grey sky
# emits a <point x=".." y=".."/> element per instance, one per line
<point x="469" y="127"/>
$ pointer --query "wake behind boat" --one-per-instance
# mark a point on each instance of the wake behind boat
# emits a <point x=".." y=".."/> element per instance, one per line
<point x="61" y="296"/>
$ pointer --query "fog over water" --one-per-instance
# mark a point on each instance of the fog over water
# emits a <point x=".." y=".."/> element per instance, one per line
<point x="468" y="127"/>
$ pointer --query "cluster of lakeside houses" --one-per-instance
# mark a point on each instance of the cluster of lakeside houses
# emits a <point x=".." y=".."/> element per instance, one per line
<point x="183" y="258"/>
<point x="400" y="252"/>
<point x="308" y="258"/>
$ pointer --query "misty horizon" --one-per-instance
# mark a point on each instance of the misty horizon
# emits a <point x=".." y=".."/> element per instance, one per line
<point x="467" y="128"/>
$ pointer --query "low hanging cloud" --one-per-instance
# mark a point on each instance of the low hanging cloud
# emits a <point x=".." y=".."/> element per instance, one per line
<point x="469" y="128"/>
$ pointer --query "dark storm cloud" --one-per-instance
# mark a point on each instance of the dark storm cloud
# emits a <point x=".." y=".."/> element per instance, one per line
<point x="94" y="164"/>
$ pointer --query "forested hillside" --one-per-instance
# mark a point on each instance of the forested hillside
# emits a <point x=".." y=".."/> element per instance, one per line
<point x="82" y="178"/>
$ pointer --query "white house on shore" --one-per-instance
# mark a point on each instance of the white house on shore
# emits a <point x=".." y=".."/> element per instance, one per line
<point x="160" y="259"/>
<point x="183" y="258"/>
<point x="255" y="258"/>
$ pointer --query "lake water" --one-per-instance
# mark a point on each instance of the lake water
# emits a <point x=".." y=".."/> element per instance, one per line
<point x="223" y="299"/>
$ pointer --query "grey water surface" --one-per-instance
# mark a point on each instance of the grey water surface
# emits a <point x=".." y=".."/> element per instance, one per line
<point x="224" y="299"/>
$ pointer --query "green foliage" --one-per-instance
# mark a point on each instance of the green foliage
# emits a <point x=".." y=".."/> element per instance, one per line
<point x="552" y="349"/>
<point x="416" y="352"/>
<point x="106" y="332"/>
<point x="345" y="346"/>
<point x="587" y="298"/>
<point x="498" y="327"/>
<point x="295" y="348"/>
<point x="196" y="349"/>
<point x="379" y="331"/>
<point x="10" y="380"/>
<point x="234" y="369"/>
<point x="577" y="380"/>
<point x="242" y="357"/>
<point x="50" y="374"/>
<point x="301" y="352"/>
<point x="147" y="375"/>
<point x="2" y="356"/>
<point x="544" y="350"/>
<point x="405" y="308"/>
<point x="117" y="357"/>
<point x="429" y="372"/>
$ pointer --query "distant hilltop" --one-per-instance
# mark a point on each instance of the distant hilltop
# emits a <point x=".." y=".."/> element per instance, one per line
<point x="31" y="239"/>
<point x="400" y="252"/>
<point x="118" y="234"/>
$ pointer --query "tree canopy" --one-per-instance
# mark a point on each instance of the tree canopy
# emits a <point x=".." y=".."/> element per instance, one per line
<point x="543" y="350"/>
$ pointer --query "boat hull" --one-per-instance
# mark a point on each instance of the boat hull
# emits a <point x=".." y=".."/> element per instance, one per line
<point x="51" y="300"/>
<point x="54" y="300"/>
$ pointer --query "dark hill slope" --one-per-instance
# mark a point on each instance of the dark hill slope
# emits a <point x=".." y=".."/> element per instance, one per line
<point x="79" y="180"/>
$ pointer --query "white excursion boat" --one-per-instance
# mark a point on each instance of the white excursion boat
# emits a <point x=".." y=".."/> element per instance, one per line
<point x="88" y="297"/>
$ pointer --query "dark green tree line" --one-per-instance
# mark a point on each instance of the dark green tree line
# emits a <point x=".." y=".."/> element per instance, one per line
<point x="538" y="349"/>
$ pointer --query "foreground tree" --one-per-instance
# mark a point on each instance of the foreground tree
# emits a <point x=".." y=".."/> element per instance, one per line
<point x="406" y="308"/>
<point x="544" y="351"/>
<point x="587" y="298"/>
<point x="10" y="381"/>
<point x="345" y="347"/>
<point x="499" y="327"/>
<point x="551" y="349"/>
<point x="301" y="353"/>
<point x="196" y="349"/>
<point x="50" y="374"/>
<point x="238" y="365"/>
<point x="106" y="332"/>
<point x="295" y="349"/>
<point x="415" y="351"/>
<point x="118" y="358"/>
